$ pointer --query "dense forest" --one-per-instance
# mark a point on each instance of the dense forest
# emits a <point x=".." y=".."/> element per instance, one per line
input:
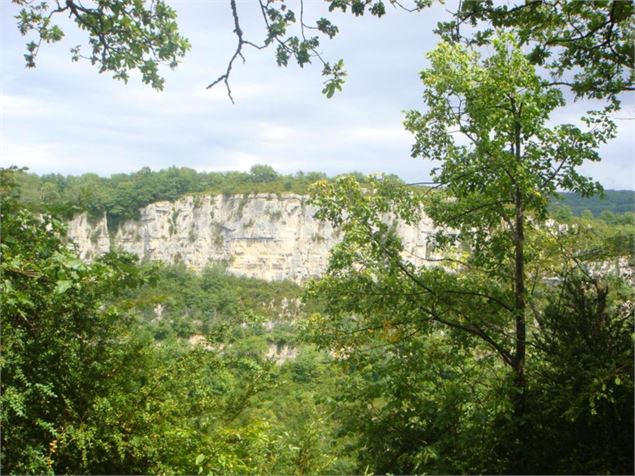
<point x="132" y="368"/>
<point x="508" y="352"/>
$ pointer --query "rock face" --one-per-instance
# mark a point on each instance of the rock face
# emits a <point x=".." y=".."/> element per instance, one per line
<point x="264" y="236"/>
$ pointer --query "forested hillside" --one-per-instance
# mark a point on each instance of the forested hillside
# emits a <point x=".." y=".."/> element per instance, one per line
<point x="183" y="372"/>
<point x="613" y="201"/>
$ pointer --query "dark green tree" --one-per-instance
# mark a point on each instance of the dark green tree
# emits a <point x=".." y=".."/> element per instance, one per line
<point x="263" y="173"/>
<point x="60" y="337"/>
<point x="582" y="396"/>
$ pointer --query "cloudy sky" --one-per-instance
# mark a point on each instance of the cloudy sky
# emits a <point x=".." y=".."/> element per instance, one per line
<point x="66" y="118"/>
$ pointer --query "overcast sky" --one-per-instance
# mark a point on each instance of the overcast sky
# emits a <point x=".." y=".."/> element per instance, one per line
<point x="66" y="118"/>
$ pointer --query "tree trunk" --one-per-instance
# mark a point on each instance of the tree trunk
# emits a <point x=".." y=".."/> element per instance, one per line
<point x="518" y="365"/>
<point x="519" y="291"/>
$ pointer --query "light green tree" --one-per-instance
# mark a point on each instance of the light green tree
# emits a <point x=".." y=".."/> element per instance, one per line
<point x="486" y="124"/>
<point x="512" y="164"/>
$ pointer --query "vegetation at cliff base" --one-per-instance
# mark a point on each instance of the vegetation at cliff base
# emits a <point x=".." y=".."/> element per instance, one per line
<point x="116" y="368"/>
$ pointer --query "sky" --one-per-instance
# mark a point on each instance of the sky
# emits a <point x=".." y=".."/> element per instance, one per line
<point x="65" y="117"/>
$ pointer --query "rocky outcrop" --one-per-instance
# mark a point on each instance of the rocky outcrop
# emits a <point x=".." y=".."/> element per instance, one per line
<point x="266" y="236"/>
<point x="90" y="237"/>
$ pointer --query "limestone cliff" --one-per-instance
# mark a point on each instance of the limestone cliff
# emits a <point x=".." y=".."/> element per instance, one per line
<point x="265" y="236"/>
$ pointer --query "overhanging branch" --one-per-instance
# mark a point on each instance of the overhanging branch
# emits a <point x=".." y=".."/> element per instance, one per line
<point x="237" y="53"/>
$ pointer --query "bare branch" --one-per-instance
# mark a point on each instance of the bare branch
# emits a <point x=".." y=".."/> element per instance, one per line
<point x="237" y="53"/>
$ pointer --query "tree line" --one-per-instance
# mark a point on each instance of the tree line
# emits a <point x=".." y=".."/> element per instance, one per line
<point x="121" y="195"/>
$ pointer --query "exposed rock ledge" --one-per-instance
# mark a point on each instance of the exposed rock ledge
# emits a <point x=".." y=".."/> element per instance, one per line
<point x="262" y="235"/>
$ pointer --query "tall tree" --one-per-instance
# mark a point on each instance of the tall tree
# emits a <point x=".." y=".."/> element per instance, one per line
<point x="486" y="124"/>
<point x="513" y="164"/>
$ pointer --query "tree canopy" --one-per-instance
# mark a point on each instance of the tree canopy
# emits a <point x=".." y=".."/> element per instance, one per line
<point x="584" y="45"/>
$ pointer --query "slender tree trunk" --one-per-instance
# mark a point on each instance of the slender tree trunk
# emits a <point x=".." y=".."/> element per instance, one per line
<point x="519" y="307"/>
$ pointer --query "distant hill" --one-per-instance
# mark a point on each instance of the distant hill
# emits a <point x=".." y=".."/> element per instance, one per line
<point x="615" y="201"/>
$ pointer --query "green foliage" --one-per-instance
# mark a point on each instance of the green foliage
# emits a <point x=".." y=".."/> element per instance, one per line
<point x="615" y="201"/>
<point x="247" y="317"/>
<point x="416" y="399"/>
<point x="583" y="396"/>
<point x="461" y="88"/>
<point x="586" y="45"/>
<point x="86" y="388"/>
<point x="123" y="35"/>
<point x="426" y="368"/>
<point x="427" y="386"/>
<point x="607" y="239"/>
<point x="58" y="335"/>
<point x="121" y="195"/>
<point x="336" y="75"/>
<point x="478" y="308"/>
<point x="263" y="173"/>
<point x="195" y="303"/>
<point x="498" y="186"/>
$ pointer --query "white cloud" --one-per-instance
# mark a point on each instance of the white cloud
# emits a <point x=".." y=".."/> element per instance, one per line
<point x="229" y="159"/>
<point x="17" y="106"/>
<point x="274" y="134"/>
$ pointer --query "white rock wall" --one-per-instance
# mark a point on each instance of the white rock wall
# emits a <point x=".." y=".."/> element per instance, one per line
<point x="263" y="235"/>
<point x="90" y="238"/>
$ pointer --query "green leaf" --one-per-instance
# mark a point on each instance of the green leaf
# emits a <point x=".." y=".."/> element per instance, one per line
<point x="62" y="286"/>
